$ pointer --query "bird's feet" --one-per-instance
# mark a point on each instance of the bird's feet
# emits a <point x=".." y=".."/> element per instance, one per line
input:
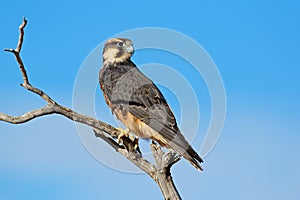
<point x="123" y="133"/>
<point x="126" y="133"/>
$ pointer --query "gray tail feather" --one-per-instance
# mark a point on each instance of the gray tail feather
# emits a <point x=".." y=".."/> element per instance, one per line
<point x="192" y="156"/>
<point x="181" y="146"/>
<point x="188" y="153"/>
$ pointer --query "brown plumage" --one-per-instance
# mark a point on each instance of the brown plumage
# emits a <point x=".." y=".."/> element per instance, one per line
<point x="136" y="101"/>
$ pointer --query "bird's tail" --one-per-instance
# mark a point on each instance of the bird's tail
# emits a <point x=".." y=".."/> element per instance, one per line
<point x="192" y="156"/>
<point x="181" y="146"/>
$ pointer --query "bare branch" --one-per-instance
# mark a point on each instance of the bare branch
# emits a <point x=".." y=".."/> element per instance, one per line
<point x="17" y="50"/>
<point x="160" y="172"/>
<point x="170" y="158"/>
<point x="134" y="157"/>
<point x="21" y="36"/>
<point x="163" y="174"/>
<point x="47" y="110"/>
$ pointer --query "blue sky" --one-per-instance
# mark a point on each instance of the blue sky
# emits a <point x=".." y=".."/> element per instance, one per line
<point x="256" y="48"/>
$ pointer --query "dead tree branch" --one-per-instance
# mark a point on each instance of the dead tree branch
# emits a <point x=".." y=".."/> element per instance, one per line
<point x="159" y="172"/>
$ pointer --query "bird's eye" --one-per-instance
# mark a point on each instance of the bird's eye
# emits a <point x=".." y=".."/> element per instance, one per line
<point x="120" y="44"/>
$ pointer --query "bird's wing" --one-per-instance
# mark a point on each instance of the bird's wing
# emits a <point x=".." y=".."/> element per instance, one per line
<point x="152" y="109"/>
<point x="140" y="96"/>
<point x="131" y="91"/>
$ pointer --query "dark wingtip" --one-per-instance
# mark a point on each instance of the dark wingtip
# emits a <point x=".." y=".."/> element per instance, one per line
<point x="196" y="164"/>
<point x="195" y="159"/>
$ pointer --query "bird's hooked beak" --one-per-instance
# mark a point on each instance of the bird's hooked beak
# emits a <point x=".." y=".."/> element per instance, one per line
<point x="129" y="48"/>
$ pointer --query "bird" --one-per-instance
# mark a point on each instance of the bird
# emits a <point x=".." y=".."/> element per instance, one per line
<point x="138" y="103"/>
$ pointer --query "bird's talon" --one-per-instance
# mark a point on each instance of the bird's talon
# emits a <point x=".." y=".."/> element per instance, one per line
<point x="122" y="134"/>
<point x="136" y="143"/>
<point x="131" y="137"/>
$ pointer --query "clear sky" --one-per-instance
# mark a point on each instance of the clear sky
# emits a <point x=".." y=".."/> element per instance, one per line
<point x="255" y="45"/>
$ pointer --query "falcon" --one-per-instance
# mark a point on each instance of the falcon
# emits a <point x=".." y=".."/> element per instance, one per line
<point x="138" y="103"/>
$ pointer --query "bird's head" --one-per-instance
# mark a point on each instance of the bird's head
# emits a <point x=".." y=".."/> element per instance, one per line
<point x="117" y="50"/>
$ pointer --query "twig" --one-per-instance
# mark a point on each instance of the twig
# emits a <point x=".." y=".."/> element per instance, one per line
<point x="21" y="36"/>
<point x="17" y="50"/>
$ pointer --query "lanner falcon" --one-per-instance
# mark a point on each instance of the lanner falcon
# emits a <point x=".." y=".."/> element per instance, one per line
<point x="136" y="101"/>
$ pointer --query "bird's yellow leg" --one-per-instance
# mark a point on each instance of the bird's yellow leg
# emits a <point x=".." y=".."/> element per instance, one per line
<point x="136" y="142"/>
<point x="122" y="133"/>
<point x="133" y="138"/>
